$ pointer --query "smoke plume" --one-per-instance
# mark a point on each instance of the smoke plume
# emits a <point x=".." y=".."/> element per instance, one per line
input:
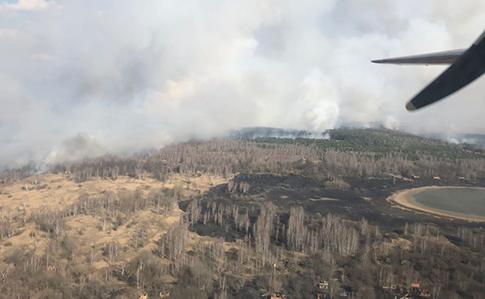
<point x="128" y="75"/>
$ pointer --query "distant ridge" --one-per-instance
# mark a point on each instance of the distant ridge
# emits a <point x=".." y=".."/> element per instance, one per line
<point x="269" y="132"/>
<point x="251" y="133"/>
<point x="477" y="140"/>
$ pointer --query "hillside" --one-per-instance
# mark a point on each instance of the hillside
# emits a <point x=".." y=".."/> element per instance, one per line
<point x="53" y="228"/>
<point x="381" y="141"/>
<point x="243" y="218"/>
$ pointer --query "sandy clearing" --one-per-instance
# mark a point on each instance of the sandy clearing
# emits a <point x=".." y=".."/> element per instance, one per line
<point x="324" y="199"/>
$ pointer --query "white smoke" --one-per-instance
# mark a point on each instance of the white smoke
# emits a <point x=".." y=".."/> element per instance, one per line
<point x="75" y="149"/>
<point x="132" y="75"/>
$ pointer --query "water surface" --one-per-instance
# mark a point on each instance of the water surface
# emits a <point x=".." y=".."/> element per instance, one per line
<point x="466" y="201"/>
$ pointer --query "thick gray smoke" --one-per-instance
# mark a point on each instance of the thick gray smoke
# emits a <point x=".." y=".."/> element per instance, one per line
<point x="128" y="75"/>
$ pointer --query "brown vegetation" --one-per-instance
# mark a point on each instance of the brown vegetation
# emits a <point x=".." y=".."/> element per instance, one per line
<point x="239" y="219"/>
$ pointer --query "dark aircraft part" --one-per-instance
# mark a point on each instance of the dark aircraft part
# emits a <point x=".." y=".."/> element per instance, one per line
<point x="446" y="57"/>
<point x="468" y="67"/>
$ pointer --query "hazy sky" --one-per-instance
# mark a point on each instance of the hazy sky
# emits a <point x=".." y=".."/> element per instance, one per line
<point x="120" y="76"/>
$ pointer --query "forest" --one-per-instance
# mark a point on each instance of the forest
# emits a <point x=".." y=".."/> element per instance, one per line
<point x="288" y="217"/>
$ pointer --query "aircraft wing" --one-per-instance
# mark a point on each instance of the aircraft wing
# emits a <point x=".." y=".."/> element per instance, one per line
<point x="468" y="67"/>
<point x="445" y="57"/>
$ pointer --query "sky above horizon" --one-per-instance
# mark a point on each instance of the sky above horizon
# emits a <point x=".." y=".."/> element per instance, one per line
<point x="81" y="78"/>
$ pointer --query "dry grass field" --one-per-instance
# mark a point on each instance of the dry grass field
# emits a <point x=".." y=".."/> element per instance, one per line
<point x="55" y="191"/>
<point x="95" y="246"/>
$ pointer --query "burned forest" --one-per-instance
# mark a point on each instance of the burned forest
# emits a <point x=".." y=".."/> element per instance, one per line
<point x="245" y="216"/>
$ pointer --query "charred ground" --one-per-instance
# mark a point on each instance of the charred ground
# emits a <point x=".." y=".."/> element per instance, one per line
<point x="360" y="199"/>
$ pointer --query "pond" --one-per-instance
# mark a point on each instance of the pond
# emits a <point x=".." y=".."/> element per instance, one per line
<point x="454" y="200"/>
